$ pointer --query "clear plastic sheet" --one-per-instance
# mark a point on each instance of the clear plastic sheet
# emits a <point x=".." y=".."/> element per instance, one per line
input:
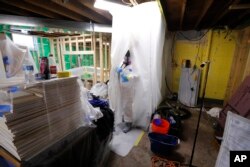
<point x="79" y="149"/>
<point x="28" y="59"/>
<point x="100" y="90"/>
<point x="141" y="30"/>
<point x="91" y="112"/>
<point x="14" y="57"/>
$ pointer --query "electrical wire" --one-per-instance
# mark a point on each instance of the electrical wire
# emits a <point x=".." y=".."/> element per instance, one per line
<point x="174" y="62"/>
<point x="172" y="50"/>
<point x="171" y="92"/>
<point x="197" y="55"/>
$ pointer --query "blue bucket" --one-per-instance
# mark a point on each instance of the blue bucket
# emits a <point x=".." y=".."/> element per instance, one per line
<point x="163" y="144"/>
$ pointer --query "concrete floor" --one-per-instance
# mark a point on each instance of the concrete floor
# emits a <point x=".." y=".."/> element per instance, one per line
<point x="205" y="152"/>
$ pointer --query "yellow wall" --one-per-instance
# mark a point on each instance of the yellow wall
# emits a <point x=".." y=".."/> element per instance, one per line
<point x="218" y="47"/>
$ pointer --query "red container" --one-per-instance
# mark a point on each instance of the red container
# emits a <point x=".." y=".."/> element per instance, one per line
<point x="161" y="128"/>
<point x="53" y="70"/>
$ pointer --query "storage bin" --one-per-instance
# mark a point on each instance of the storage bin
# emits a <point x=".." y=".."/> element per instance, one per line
<point x="163" y="144"/>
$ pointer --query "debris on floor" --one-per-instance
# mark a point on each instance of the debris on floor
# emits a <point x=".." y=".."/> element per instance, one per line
<point x="161" y="162"/>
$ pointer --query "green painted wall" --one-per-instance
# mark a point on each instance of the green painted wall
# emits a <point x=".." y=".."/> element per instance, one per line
<point x="5" y="28"/>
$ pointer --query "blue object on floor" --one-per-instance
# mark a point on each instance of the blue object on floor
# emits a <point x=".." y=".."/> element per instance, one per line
<point x="162" y="144"/>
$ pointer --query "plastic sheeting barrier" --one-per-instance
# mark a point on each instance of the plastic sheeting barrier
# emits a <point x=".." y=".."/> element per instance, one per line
<point x="14" y="56"/>
<point x="141" y="30"/>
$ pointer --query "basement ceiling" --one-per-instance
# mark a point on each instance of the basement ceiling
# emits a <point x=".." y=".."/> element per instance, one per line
<point x="205" y="14"/>
<point x="179" y="14"/>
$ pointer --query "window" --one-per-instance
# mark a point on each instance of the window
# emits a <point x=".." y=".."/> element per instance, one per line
<point x="23" y="40"/>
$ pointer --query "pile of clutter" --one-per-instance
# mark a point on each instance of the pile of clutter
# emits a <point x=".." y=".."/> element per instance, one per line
<point x="164" y="130"/>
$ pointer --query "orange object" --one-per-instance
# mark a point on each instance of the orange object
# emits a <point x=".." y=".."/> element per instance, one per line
<point x="162" y="128"/>
<point x="158" y="161"/>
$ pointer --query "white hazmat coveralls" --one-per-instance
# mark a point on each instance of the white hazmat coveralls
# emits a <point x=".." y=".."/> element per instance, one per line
<point x="127" y="92"/>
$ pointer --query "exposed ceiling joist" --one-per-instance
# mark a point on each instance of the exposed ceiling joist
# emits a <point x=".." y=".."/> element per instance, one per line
<point x="17" y="11"/>
<point x="31" y="8"/>
<point x="239" y="6"/>
<point x="235" y="22"/>
<point x="52" y="34"/>
<point x="173" y="12"/>
<point x="198" y="15"/>
<point x="82" y="10"/>
<point x="179" y="14"/>
<point x="225" y="11"/>
<point x="183" y="8"/>
<point x="53" y="7"/>
<point x="206" y="6"/>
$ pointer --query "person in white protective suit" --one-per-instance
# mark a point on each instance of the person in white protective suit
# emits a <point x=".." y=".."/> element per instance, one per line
<point x="126" y="78"/>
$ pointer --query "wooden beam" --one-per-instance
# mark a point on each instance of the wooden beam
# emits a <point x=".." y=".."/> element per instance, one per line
<point x="225" y="11"/>
<point x="90" y="4"/>
<point x="17" y="11"/>
<point x="234" y="24"/>
<point x="93" y="47"/>
<point x="52" y="48"/>
<point x="109" y="57"/>
<point x="173" y="11"/>
<point x="101" y="57"/>
<point x="206" y="6"/>
<point x="84" y="11"/>
<point x="247" y="69"/>
<point x="32" y="8"/>
<point x="59" y="54"/>
<point x="85" y="52"/>
<point x="53" y="7"/>
<point x="183" y="8"/>
<point x="239" y="6"/>
<point x="62" y="49"/>
<point x="106" y="60"/>
<point x="239" y="65"/>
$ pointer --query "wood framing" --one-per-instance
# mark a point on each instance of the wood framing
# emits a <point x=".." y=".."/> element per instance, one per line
<point x="95" y="44"/>
<point x="101" y="57"/>
<point x="239" y="67"/>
